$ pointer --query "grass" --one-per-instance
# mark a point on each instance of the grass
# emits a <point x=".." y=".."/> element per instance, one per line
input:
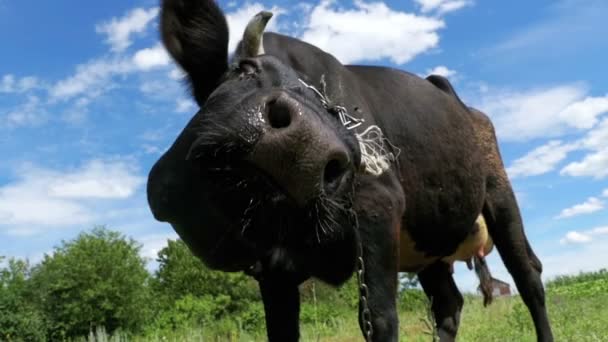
<point x="578" y="312"/>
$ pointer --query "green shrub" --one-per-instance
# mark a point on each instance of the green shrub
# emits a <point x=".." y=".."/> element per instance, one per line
<point x="412" y="300"/>
<point x="582" y="277"/>
<point x="20" y="319"/>
<point x="95" y="280"/>
<point x="194" y="311"/>
<point x="180" y="274"/>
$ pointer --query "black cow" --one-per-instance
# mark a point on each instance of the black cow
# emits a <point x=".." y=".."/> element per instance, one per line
<point x="297" y="165"/>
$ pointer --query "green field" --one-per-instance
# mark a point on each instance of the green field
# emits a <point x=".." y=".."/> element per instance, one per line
<point x="578" y="309"/>
<point x="98" y="282"/>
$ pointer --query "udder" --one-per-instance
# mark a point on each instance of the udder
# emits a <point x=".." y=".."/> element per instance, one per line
<point x="477" y="244"/>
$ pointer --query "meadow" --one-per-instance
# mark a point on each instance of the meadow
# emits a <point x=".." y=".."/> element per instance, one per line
<point x="578" y="308"/>
<point x="96" y="288"/>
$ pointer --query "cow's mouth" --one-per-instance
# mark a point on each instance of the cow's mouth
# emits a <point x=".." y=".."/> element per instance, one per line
<point x="267" y="213"/>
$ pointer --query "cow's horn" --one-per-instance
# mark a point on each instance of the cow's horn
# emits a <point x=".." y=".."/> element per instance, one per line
<point x="252" y="44"/>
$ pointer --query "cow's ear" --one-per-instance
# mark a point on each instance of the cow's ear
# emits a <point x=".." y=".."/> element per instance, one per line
<point x="195" y="33"/>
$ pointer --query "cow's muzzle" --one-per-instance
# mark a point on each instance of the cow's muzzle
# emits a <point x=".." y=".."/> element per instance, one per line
<point x="300" y="152"/>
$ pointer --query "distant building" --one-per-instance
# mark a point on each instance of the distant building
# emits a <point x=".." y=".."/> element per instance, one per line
<point x="499" y="288"/>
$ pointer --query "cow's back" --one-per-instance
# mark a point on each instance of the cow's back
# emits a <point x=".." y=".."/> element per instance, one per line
<point x="440" y="163"/>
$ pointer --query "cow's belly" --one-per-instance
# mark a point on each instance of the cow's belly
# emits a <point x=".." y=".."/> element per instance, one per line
<point x="477" y="243"/>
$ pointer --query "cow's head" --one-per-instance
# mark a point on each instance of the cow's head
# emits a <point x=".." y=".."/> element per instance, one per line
<point x="263" y="159"/>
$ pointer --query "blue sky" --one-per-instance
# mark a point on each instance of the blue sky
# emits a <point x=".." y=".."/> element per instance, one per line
<point x="89" y="100"/>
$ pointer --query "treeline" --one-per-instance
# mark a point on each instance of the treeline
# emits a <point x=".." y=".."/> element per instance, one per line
<point x="99" y="281"/>
<point x="582" y="277"/>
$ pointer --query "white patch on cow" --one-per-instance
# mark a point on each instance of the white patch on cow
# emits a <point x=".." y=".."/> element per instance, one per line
<point x="376" y="150"/>
<point x="255" y="118"/>
<point x="376" y="155"/>
<point x="260" y="115"/>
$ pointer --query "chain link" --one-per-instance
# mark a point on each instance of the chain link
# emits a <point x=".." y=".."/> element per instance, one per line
<point x="366" y="314"/>
<point x="351" y="122"/>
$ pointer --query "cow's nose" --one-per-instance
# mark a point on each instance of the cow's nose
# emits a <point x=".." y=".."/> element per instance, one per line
<point x="301" y="153"/>
<point x="335" y="171"/>
<point x="280" y="112"/>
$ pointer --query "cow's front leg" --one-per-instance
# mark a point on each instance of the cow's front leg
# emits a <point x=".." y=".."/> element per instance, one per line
<point x="446" y="300"/>
<point x="281" y="306"/>
<point x="379" y="214"/>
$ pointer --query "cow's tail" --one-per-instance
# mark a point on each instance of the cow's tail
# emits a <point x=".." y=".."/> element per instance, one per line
<point x="485" y="279"/>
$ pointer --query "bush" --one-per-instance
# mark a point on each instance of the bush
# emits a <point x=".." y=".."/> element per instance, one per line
<point x="19" y="318"/>
<point x="193" y="311"/>
<point x="95" y="280"/>
<point x="413" y="300"/>
<point x="181" y="274"/>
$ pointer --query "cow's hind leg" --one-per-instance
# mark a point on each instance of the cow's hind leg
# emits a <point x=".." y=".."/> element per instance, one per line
<point x="506" y="229"/>
<point x="446" y="300"/>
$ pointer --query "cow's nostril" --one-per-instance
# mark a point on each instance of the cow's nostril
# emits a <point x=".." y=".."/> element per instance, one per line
<point x="333" y="174"/>
<point x="279" y="115"/>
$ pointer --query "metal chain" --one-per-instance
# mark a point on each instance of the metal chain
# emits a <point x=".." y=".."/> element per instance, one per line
<point x="348" y="121"/>
<point x="351" y="122"/>
<point x="366" y="314"/>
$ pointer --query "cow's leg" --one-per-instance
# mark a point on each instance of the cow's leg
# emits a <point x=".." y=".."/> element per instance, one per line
<point x="506" y="229"/>
<point x="281" y="306"/>
<point x="380" y="250"/>
<point x="446" y="300"/>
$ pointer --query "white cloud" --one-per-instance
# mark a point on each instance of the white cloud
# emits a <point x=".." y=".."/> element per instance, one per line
<point x="371" y="31"/>
<point x="441" y="70"/>
<point x="90" y="78"/>
<point x="594" y="165"/>
<point x="595" y="162"/>
<point x="591" y="205"/>
<point x="541" y="159"/>
<point x="596" y="138"/>
<point x="584" y="114"/>
<point x="545" y="158"/>
<point x="97" y="179"/>
<point x="150" y="58"/>
<point x="153" y="87"/>
<point x="574" y="237"/>
<point x="442" y="6"/>
<point x="237" y="21"/>
<point x="585" y="257"/>
<point x="31" y="113"/>
<point x="40" y="198"/>
<point x="541" y="113"/>
<point x="96" y="76"/>
<point x="605" y="193"/>
<point x="151" y="149"/>
<point x="120" y="30"/>
<point x="185" y="106"/>
<point x="10" y="84"/>
<point x="152" y="244"/>
<point x="177" y="74"/>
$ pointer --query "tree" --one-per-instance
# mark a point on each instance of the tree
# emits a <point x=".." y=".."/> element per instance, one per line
<point x="95" y="280"/>
<point x="19" y="317"/>
<point x="180" y="273"/>
<point x="189" y="293"/>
